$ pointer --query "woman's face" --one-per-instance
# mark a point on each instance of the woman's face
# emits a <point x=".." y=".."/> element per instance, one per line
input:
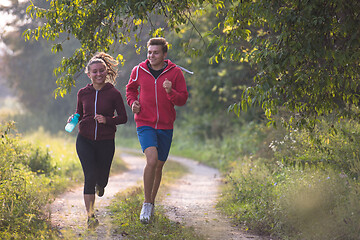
<point x="97" y="73"/>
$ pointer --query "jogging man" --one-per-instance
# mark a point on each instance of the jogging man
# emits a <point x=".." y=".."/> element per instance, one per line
<point x="162" y="86"/>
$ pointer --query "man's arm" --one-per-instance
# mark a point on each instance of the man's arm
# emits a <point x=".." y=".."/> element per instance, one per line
<point x="132" y="89"/>
<point x="178" y="94"/>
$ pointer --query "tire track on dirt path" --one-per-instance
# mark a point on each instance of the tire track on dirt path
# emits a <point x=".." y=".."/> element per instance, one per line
<point x="68" y="210"/>
<point x="192" y="200"/>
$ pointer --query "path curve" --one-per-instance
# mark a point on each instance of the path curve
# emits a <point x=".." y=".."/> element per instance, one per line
<point x="191" y="201"/>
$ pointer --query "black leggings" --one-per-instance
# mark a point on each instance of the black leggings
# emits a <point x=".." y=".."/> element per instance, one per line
<point x="96" y="158"/>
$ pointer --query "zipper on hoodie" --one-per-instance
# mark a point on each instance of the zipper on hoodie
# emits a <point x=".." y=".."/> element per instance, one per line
<point x="156" y="99"/>
<point x="96" y="123"/>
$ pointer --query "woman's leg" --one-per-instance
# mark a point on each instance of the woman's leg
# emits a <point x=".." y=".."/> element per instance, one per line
<point x="104" y="156"/>
<point x="85" y="151"/>
<point x="89" y="200"/>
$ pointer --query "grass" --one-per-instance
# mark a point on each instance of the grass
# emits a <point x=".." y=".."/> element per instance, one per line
<point x="64" y="159"/>
<point x="127" y="206"/>
<point x="285" y="184"/>
<point x="277" y="183"/>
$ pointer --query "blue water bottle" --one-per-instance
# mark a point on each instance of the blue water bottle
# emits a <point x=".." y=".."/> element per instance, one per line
<point x="71" y="125"/>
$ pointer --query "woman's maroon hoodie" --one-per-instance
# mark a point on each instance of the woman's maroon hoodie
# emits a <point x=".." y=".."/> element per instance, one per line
<point x="104" y="102"/>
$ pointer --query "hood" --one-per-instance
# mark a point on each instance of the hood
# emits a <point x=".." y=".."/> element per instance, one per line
<point x="90" y="88"/>
<point x="143" y="65"/>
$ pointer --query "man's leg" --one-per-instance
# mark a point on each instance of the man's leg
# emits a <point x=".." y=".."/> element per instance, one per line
<point x="157" y="180"/>
<point x="149" y="177"/>
<point x="151" y="154"/>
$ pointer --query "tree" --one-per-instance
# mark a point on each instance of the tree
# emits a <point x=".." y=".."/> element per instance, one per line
<point x="213" y="86"/>
<point x="305" y="53"/>
<point x="97" y="25"/>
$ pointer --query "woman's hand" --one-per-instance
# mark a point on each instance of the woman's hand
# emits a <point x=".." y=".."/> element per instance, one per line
<point x="70" y="118"/>
<point x="100" y="118"/>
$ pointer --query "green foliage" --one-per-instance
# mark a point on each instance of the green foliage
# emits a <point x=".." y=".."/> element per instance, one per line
<point x="290" y="203"/>
<point x="38" y="160"/>
<point x="337" y="150"/>
<point x="27" y="68"/>
<point x="305" y="54"/>
<point x="62" y="152"/>
<point x="98" y="25"/>
<point x="249" y="197"/>
<point x="23" y="192"/>
<point x="318" y="205"/>
<point x="285" y="183"/>
<point x="219" y="150"/>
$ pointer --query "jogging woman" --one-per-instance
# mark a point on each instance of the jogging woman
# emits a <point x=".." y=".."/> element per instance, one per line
<point x="95" y="145"/>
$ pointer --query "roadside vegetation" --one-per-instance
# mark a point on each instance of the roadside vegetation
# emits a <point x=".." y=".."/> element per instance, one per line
<point x="290" y="62"/>
<point x="286" y="184"/>
<point x="38" y="166"/>
<point x="28" y="182"/>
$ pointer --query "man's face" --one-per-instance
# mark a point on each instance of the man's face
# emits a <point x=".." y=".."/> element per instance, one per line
<point x="156" y="56"/>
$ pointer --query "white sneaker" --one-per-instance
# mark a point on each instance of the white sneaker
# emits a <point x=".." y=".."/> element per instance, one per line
<point x="146" y="212"/>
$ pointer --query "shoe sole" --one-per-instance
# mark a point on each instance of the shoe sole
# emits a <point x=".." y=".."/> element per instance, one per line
<point x="145" y="221"/>
<point x="99" y="191"/>
<point x="93" y="224"/>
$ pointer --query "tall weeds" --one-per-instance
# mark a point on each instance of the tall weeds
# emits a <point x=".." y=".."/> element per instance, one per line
<point x="287" y="184"/>
<point x="23" y="193"/>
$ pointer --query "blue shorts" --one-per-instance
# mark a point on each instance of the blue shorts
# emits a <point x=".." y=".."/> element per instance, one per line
<point x="159" y="138"/>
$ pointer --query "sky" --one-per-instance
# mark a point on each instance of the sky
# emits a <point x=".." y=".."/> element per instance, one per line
<point x="5" y="18"/>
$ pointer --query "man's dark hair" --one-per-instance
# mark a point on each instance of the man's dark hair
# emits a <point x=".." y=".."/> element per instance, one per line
<point x="159" y="41"/>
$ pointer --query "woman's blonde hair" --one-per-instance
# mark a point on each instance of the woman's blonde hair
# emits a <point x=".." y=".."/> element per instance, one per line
<point x="110" y="63"/>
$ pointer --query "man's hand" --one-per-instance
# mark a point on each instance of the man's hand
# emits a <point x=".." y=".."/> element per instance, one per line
<point x="135" y="107"/>
<point x="167" y="85"/>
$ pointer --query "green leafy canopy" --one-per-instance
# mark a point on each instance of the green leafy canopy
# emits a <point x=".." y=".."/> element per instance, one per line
<point x="98" y="25"/>
<point x="305" y="53"/>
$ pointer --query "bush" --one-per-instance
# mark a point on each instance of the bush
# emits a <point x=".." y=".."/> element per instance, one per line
<point x="23" y="193"/>
<point x="294" y="201"/>
<point x="317" y="204"/>
<point x="323" y="147"/>
<point x="249" y="195"/>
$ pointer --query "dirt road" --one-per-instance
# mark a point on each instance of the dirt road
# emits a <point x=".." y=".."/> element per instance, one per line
<point x="191" y="200"/>
<point x="68" y="210"/>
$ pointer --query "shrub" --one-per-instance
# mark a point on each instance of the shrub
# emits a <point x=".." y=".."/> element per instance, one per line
<point x="249" y="195"/>
<point x="292" y="203"/>
<point x="22" y="193"/>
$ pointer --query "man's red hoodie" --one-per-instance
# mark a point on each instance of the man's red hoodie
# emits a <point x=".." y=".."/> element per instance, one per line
<point x="157" y="106"/>
<point x="104" y="102"/>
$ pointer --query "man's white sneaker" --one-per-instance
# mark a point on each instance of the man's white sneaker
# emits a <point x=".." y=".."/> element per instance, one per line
<point x="146" y="213"/>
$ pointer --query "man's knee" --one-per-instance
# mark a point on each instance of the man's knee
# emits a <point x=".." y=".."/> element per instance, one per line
<point x="151" y="156"/>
